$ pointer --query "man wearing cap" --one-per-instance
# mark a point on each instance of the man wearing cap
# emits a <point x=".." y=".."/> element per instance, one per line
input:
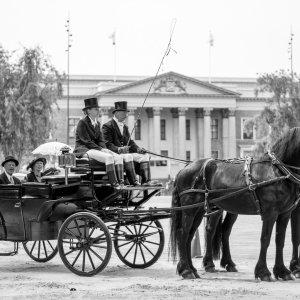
<point x="117" y="137"/>
<point x="90" y="142"/>
<point x="9" y="165"/>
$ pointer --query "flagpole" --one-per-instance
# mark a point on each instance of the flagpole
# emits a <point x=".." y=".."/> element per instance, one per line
<point x="115" y="59"/>
<point x="211" y="43"/>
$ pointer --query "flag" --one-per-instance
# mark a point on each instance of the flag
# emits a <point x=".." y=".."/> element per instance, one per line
<point x="113" y="37"/>
<point x="211" y="39"/>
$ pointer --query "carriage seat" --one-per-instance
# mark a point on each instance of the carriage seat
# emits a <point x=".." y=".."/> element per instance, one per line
<point x="85" y="164"/>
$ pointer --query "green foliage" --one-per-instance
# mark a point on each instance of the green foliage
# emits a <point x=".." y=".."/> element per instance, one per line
<point x="282" y="109"/>
<point x="29" y="89"/>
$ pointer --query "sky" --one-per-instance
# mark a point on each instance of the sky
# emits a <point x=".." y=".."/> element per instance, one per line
<point x="250" y="37"/>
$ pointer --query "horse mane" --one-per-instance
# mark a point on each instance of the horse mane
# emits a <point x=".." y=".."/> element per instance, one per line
<point x="288" y="145"/>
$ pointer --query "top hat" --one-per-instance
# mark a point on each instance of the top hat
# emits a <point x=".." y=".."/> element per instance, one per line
<point x="32" y="163"/>
<point x="10" y="158"/>
<point x="90" y="103"/>
<point x="120" y="106"/>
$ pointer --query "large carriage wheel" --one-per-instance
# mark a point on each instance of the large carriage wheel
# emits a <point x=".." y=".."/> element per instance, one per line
<point x="41" y="250"/>
<point x="139" y="245"/>
<point x="84" y="244"/>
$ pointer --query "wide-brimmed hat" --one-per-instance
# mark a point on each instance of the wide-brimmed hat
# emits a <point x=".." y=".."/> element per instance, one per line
<point x="33" y="162"/>
<point x="90" y="103"/>
<point x="120" y="106"/>
<point x="10" y="158"/>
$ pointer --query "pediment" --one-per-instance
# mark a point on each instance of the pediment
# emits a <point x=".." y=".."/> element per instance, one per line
<point x="170" y="83"/>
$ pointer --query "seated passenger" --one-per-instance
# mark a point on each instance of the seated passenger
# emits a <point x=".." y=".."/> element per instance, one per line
<point x="118" y="139"/>
<point x="90" y="142"/>
<point x="36" y="166"/>
<point x="9" y="165"/>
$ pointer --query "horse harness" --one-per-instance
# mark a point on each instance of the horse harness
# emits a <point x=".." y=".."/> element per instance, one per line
<point x="250" y="186"/>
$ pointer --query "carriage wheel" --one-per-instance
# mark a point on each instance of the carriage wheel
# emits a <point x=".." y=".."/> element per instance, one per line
<point x="42" y="250"/>
<point x="84" y="244"/>
<point x="139" y="245"/>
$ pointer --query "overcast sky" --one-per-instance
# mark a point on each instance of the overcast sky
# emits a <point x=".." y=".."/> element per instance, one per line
<point x="250" y="36"/>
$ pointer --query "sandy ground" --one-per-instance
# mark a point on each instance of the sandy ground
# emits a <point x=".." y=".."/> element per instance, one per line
<point x="23" y="278"/>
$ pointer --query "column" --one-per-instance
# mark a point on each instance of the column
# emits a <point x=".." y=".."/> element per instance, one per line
<point x="104" y="114"/>
<point x="182" y="132"/>
<point x="207" y="132"/>
<point x="156" y="127"/>
<point x="232" y="134"/>
<point x="131" y="120"/>
<point x="199" y="133"/>
<point x="150" y="134"/>
<point x="175" y="139"/>
<point x="225" y="134"/>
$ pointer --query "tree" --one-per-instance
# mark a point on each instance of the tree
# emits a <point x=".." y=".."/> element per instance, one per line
<point x="28" y="91"/>
<point x="282" y="109"/>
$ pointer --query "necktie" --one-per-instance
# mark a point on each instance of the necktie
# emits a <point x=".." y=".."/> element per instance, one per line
<point x="11" y="180"/>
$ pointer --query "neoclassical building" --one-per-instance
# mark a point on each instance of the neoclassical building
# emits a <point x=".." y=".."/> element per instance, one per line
<point x="174" y="115"/>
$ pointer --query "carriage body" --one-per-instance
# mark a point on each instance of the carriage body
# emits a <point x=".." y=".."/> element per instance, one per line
<point x="74" y="208"/>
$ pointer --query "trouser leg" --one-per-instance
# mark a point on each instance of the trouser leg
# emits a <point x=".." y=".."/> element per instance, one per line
<point x="120" y="173"/>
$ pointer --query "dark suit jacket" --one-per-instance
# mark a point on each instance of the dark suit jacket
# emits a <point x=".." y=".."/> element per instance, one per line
<point x="114" y="139"/>
<point x="88" y="137"/>
<point x="31" y="177"/>
<point x="4" y="179"/>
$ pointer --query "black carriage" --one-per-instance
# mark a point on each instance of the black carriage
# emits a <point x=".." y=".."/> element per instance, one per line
<point x="81" y="216"/>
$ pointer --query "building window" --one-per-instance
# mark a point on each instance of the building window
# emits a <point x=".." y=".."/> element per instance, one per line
<point x="214" y="129"/>
<point x="73" y="121"/>
<point x="246" y="151"/>
<point x="137" y="133"/>
<point x="188" y="129"/>
<point x="162" y="129"/>
<point x="214" y="154"/>
<point x="164" y="152"/>
<point x="188" y="155"/>
<point x="247" y="131"/>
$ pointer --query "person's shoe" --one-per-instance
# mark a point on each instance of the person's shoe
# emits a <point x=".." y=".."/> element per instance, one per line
<point x="116" y="186"/>
<point x="152" y="183"/>
<point x="136" y="183"/>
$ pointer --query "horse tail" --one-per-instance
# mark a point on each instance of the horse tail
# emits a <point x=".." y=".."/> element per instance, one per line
<point x="174" y="224"/>
<point x="217" y="239"/>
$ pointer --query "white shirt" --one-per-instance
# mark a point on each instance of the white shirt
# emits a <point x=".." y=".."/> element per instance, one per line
<point x="10" y="178"/>
<point x="94" y="122"/>
<point x="120" y="125"/>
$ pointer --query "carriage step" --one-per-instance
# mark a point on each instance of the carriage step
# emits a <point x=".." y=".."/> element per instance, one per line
<point x="14" y="252"/>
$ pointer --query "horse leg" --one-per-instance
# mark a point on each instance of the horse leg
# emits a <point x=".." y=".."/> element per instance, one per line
<point x="295" y="230"/>
<point x="184" y="247"/>
<point x="261" y="270"/>
<point x="226" y="260"/>
<point x="210" y="230"/>
<point x="196" y="224"/>
<point x="279" y="270"/>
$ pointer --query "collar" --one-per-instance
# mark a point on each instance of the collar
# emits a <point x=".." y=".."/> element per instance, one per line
<point x="119" y="123"/>
<point x="94" y="123"/>
<point x="8" y="176"/>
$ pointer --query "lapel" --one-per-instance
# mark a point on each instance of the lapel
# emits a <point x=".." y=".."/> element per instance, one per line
<point x="116" y="128"/>
<point x="88" y="120"/>
<point x="6" y="179"/>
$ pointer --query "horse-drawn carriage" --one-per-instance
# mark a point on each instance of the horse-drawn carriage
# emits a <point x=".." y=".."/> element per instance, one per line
<point x="81" y="216"/>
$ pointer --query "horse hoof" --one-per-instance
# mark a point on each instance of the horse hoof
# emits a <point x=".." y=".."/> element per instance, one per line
<point x="296" y="274"/>
<point x="231" y="269"/>
<point x="210" y="270"/>
<point x="196" y="274"/>
<point x="189" y="276"/>
<point x="267" y="278"/>
<point x="287" y="277"/>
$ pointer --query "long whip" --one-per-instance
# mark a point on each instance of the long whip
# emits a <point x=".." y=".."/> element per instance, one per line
<point x="162" y="60"/>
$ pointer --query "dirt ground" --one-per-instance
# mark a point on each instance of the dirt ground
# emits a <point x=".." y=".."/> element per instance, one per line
<point x="23" y="278"/>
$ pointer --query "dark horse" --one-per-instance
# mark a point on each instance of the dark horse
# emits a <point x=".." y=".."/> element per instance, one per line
<point x="272" y="192"/>
<point x="217" y="233"/>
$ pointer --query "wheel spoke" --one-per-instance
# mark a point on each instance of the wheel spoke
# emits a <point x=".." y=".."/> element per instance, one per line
<point x="83" y="261"/>
<point x="39" y="249"/>
<point x="91" y="261"/>
<point x="119" y="246"/>
<point x="45" y="250"/>
<point x="148" y="249"/>
<point x="96" y="254"/>
<point x="142" y="252"/>
<point x="32" y="247"/>
<point x="72" y="234"/>
<point x="135" y="253"/>
<point x="50" y="245"/>
<point x="76" y="258"/>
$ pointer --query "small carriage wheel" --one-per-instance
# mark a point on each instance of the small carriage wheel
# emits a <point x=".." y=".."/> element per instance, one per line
<point x="139" y="245"/>
<point x="41" y="250"/>
<point x="84" y="244"/>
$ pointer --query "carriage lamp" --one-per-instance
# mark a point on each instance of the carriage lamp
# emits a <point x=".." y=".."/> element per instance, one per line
<point x="66" y="160"/>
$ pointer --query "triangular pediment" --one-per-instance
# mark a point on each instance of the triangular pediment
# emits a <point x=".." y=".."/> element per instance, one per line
<point x="170" y="83"/>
